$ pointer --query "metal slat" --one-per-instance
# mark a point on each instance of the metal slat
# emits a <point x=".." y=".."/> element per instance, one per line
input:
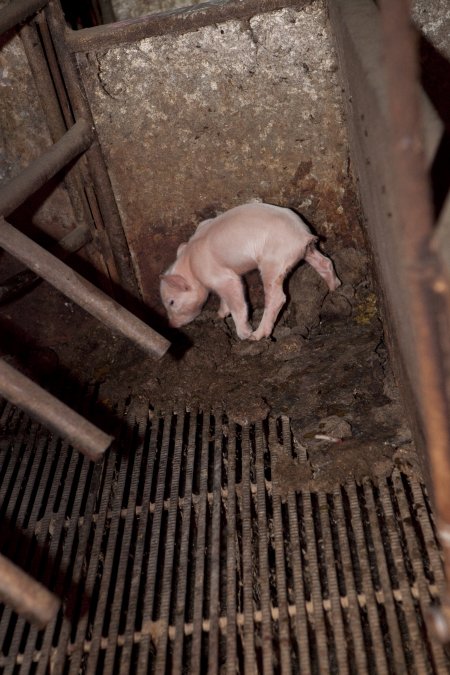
<point x="283" y="616"/>
<point x="428" y="534"/>
<point x="138" y="562"/>
<point x="201" y="510"/>
<point x="232" y="556"/>
<point x="316" y="591"/>
<point x="350" y="585"/>
<point x="76" y="649"/>
<point x="301" y="615"/>
<point x="214" y="591"/>
<point x="180" y="609"/>
<point x="105" y="589"/>
<point x="337" y="621"/>
<point x="266" y="615"/>
<point x="139" y="418"/>
<point x="371" y="605"/>
<point x="152" y="581"/>
<point x="167" y="575"/>
<point x="388" y="586"/>
<point x="247" y="566"/>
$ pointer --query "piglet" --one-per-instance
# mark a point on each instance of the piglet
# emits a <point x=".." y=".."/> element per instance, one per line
<point x="270" y="238"/>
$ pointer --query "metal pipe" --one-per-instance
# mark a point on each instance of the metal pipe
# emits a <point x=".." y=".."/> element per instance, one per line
<point x="97" y="167"/>
<point x="72" y="144"/>
<point x="178" y="20"/>
<point x="419" y="264"/>
<point x="80" y="290"/>
<point x="73" y="241"/>
<point x="54" y="414"/>
<point x="25" y="595"/>
<point x="18" y="11"/>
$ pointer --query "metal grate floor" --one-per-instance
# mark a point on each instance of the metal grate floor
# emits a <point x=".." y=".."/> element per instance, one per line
<point x="180" y="552"/>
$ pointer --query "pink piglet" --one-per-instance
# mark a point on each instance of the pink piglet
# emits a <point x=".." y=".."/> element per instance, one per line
<point x="270" y="238"/>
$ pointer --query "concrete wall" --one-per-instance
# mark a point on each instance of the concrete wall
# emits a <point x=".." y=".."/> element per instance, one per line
<point x="195" y="123"/>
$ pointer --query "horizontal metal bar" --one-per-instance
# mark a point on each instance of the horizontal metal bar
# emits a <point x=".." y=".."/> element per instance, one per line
<point x="80" y="290"/>
<point x="18" y="11"/>
<point x="73" y="143"/>
<point x="25" y="595"/>
<point x="180" y="20"/>
<point x="54" y="414"/>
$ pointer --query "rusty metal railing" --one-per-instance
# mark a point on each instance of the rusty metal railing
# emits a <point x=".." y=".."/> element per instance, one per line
<point x="73" y="134"/>
<point x="420" y="265"/>
<point x="73" y="143"/>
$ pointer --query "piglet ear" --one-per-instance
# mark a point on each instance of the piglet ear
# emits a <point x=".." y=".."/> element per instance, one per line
<point x="176" y="281"/>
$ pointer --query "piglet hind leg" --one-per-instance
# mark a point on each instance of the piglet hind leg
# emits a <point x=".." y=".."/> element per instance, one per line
<point x="274" y="299"/>
<point x="232" y="301"/>
<point x="223" y="310"/>
<point x="323" y="266"/>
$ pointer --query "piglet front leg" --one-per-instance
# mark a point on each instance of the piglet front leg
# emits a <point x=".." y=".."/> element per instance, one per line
<point x="274" y="299"/>
<point x="232" y="301"/>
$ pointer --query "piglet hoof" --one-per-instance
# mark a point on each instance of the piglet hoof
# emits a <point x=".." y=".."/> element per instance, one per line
<point x="334" y="284"/>
<point x="245" y="333"/>
<point x="222" y="314"/>
<point x="257" y="335"/>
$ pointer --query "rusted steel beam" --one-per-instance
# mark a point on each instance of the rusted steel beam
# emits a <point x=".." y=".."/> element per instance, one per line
<point x="413" y="198"/>
<point x="179" y="20"/>
<point x="81" y="291"/>
<point x="70" y="146"/>
<point x="25" y="595"/>
<point x="18" y="11"/>
<point x="54" y="414"/>
<point x="96" y="163"/>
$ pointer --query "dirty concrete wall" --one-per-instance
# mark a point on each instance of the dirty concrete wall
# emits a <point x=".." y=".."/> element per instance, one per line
<point x="196" y="123"/>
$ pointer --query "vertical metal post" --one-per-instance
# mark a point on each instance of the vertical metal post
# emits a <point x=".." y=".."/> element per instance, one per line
<point x="420" y="266"/>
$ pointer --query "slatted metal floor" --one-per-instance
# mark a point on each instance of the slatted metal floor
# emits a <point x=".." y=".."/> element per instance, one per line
<point x="181" y="552"/>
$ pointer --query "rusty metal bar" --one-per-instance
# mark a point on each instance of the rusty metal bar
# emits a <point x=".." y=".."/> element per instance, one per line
<point x="54" y="414"/>
<point x="72" y="144"/>
<point x="96" y="163"/>
<point x="19" y="282"/>
<point x="420" y="269"/>
<point x="179" y="20"/>
<point x="18" y="11"/>
<point x="80" y="290"/>
<point x="25" y="595"/>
